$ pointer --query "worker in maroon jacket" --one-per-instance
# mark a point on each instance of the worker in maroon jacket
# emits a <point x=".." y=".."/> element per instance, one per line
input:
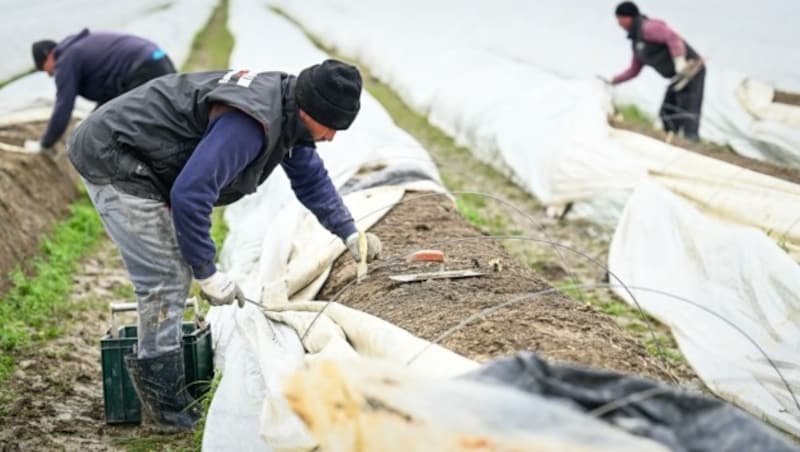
<point x="656" y="45"/>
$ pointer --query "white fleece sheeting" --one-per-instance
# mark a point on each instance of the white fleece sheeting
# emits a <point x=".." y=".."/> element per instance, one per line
<point x="440" y="414"/>
<point x="718" y="188"/>
<point x="255" y="352"/>
<point x="665" y="244"/>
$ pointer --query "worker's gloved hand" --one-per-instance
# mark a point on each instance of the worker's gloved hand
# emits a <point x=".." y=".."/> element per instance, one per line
<point x="680" y="64"/>
<point x="682" y="74"/>
<point x="373" y="246"/>
<point x="33" y="146"/>
<point x="219" y="290"/>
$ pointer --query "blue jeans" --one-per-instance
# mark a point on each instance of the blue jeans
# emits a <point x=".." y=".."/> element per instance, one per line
<point x="143" y="231"/>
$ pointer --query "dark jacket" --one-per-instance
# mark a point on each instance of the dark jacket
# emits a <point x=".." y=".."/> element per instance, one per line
<point x="140" y="141"/>
<point x="94" y="66"/>
<point x="144" y="143"/>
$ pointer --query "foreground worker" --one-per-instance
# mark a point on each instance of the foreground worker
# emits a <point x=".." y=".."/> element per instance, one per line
<point x="655" y="44"/>
<point x="157" y="159"/>
<point x="98" y="66"/>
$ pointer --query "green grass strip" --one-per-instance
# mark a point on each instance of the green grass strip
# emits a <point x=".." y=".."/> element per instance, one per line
<point x="633" y="115"/>
<point x="16" y="77"/>
<point x="31" y="310"/>
<point x="212" y="46"/>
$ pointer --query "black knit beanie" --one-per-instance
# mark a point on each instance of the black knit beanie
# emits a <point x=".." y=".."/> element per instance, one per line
<point x="329" y="93"/>
<point x="40" y="50"/>
<point x="627" y="9"/>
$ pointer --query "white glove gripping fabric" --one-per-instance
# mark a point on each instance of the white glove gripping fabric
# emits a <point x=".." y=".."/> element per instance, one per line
<point x="680" y="64"/>
<point x="684" y="72"/>
<point x="373" y="246"/>
<point x="219" y="290"/>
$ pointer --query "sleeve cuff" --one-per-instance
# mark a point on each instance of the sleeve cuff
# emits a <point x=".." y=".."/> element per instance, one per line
<point x="204" y="271"/>
<point x="344" y="230"/>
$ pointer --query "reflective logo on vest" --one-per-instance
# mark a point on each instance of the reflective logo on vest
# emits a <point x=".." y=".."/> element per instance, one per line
<point x="242" y="78"/>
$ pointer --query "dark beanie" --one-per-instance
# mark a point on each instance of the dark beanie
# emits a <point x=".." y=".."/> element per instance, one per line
<point x="329" y="93"/>
<point x="627" y="9"/>
<point x="40" y="51"/>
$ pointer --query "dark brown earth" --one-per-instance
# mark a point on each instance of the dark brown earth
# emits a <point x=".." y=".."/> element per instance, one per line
<point x="35" y="192"/>
<point x="784" y="97"/>
<point x="714" y="151"/>
<point x="552" y="325"/>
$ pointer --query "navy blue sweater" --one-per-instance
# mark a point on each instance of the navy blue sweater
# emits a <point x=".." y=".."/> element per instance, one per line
<point x="231" y="142"/>
<point x="92" y="65"/>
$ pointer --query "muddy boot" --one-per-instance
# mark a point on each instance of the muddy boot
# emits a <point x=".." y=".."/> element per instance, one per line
<point x="147" y="414"/>
<point x="160" y="385"/>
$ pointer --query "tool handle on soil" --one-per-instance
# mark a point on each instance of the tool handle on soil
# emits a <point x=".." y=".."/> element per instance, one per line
<point x="426" y="256"/>
<point x="361" y="270"/>
<point x="117" y="308"/>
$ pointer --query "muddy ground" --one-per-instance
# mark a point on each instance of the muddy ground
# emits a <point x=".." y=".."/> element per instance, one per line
<point x="35" y="192"/>
<point x="553" y="325"/>
<point x="58" y="384"/>
<point x="714" y="151"/>
<point x="54" y="399"/>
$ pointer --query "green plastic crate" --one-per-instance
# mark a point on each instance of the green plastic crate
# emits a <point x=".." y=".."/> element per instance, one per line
<point x="121" y="402"/>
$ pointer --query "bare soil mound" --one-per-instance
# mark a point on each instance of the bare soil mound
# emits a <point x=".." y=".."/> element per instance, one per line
<point x="785" y="97"/>
<point x="35" y="192"/>
<point x="552" y="325"/>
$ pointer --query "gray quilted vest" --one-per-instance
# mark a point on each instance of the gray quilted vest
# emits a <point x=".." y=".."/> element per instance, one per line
<point x="140" y="142"/>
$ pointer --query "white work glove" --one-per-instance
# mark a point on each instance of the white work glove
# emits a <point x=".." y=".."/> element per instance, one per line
<point x="33" y="145"/>
<point x="682" y="75"/>
<point x="373" y="246"/>
<point x="680" y="64"/>
<point x="219" y="290"/>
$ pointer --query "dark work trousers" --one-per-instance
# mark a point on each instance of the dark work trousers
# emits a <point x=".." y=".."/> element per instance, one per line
<point x="142" y="74"/>
<point x="149" y="70"/>
<point x="143" y="231"/>
<point x="680" y="110"/>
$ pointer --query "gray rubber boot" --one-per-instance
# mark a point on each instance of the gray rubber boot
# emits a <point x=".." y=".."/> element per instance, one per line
<point x="160" y="385"/>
